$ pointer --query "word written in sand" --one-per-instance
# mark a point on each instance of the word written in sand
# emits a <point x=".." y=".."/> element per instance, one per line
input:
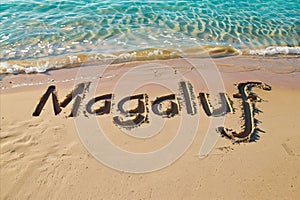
<point x="165" y="106"/>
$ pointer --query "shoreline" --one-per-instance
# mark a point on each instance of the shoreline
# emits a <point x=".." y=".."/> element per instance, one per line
<point x="222" y="52"/>
<point x="272" y="69"/>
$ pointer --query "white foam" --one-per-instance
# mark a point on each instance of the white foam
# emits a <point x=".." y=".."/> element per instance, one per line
<point x="72" y="59"/>
<point x="152" y="38"/>
<point x="270" y="51"/>
<point x="29" y="70"/>
<point x="6" y="68"/>
<point x="61" y="49"/>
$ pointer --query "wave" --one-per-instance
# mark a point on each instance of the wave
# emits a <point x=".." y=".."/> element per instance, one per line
<point x="42" y="65"/>
<point x="271" y="51"/>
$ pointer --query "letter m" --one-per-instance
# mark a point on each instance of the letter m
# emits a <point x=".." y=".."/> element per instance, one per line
<point x="74" y="94"/>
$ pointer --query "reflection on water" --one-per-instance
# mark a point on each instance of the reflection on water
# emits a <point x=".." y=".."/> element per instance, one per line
<point x="35" y="29"/>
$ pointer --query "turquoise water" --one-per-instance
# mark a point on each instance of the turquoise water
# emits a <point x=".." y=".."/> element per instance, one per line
<point x="37" y="29"/>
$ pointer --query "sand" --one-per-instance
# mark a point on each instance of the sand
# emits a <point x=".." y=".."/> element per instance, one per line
<point x="43" y="157"/>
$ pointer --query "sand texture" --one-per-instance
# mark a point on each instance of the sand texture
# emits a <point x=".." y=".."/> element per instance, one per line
<point x="42" y="156"/>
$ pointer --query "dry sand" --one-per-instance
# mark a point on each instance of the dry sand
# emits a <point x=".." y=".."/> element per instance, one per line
<point x="43" y="157"/>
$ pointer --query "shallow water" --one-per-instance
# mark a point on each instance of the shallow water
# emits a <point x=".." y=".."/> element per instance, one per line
<point x="42" y="29"/>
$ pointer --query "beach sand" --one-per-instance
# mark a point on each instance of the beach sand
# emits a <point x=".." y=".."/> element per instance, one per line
<point x="43" y="157"/>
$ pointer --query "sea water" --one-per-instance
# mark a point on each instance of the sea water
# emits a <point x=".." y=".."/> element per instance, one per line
<point x="45" y="34"/>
